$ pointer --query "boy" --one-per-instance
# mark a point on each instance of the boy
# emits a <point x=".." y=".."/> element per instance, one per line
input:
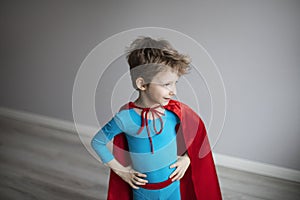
<point x="162" y="136"/>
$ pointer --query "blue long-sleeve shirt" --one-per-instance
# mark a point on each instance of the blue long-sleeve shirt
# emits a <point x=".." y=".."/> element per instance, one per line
<point x="155" y="165"/>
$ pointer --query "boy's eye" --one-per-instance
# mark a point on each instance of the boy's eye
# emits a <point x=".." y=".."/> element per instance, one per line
<point x="169" y="84"/>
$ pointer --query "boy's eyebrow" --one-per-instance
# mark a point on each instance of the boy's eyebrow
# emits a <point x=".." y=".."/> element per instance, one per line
<point x="168" y="81"/>
<point x="162" y="81"/>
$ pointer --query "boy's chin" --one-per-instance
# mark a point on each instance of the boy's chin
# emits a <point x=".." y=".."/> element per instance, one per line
<point x="166" y="102"/>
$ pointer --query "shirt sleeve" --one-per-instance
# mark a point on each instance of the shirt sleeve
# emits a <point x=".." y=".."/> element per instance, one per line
<point x="103" y="136"/>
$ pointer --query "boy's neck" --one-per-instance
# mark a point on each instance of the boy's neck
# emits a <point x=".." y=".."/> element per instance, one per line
<point x="144" y="104"/>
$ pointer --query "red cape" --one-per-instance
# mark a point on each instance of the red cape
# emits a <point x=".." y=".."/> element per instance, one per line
<point x="200" y="180"/>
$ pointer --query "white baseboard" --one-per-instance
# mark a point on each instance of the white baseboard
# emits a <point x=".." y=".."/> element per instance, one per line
<point x="47" y="121"/>
<point x="257" y="167"/>
<point x="222" y="160"/>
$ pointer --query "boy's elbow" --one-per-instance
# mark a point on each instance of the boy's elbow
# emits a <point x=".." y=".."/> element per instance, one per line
<point x="93" y="143"/>
<point x="98" y="141"/>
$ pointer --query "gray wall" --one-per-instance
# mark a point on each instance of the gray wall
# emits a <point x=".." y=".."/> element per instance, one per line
<point x="254" y="43"/>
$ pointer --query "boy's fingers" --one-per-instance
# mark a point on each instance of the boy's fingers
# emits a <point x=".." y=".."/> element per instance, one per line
<point x="174" y="173"/>
<point x="141" y="175"/>
<point x="171" y="175"/>
<point x="173" y="165"/>
<point x="177" y="177"/>
<point x="133" y="186"/>
<point x="138" y="183"/>
<point x="140" y="180"/>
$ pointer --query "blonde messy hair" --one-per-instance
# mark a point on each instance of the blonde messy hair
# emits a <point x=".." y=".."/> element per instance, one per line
<point x="147" y="57"/>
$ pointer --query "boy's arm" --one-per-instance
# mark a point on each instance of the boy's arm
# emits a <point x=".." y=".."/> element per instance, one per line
<point x="103" y="136"/>
<point x="99" y="142"/>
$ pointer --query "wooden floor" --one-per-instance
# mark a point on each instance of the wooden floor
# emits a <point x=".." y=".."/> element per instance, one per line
<point x="38" y="162"/>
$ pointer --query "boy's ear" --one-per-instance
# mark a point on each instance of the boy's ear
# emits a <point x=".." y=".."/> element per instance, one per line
<point x="140" y="83"/>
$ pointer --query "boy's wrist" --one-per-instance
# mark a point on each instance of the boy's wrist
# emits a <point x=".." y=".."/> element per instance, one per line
<point x="186" y="156"/>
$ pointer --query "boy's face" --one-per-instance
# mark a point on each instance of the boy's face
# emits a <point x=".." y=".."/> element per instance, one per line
<point x="162" y="88"/>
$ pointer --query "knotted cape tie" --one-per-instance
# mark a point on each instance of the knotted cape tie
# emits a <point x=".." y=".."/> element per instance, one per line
<point x="144" y="115"/>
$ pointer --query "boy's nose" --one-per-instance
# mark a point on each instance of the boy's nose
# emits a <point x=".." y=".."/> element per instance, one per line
<point x="173" y="91"/>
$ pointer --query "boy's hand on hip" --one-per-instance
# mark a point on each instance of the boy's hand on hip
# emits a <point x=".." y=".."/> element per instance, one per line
<point x="181" y="165"/>
<point x="129" y="175"/>
<point x="132" y="177"/>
